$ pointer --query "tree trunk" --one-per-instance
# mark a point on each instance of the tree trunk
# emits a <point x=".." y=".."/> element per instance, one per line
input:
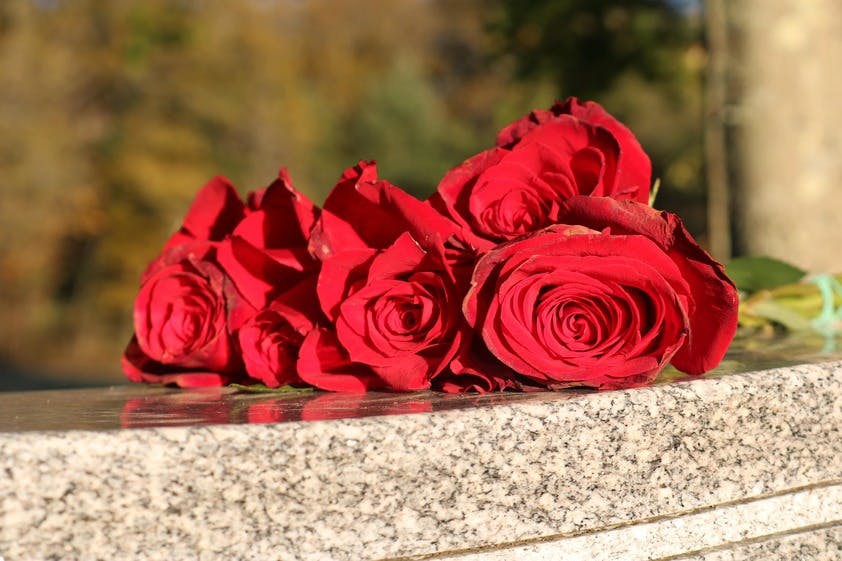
<point x="789" y="130"/>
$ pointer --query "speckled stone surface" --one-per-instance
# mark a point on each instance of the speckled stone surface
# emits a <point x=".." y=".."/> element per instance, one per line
<point x="549" y="467"/>
<point x="818" y="545"/>
<point x="709" y="532"/>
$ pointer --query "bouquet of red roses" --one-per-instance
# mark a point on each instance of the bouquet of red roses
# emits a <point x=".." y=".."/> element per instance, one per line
<point x="537" y="264"/>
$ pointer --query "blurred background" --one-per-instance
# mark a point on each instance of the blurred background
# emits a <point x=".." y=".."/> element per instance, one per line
<point x="113" y="114"/>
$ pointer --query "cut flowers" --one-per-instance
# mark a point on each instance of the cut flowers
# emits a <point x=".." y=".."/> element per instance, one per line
<point x="537" y="264"/>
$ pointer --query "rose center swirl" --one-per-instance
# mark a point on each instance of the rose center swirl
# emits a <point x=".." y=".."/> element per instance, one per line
<point x="518" y="211"/>
<point x="406" y="313"/>
<point x="570" y="320"/>
<point x="187" y="321"/>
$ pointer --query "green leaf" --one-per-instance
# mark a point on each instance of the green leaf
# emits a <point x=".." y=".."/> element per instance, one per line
<point x="777" y="312"/>
<point x="260" y="388"/>
<point x="653" y="193"/>
<point x="751" y="274"/>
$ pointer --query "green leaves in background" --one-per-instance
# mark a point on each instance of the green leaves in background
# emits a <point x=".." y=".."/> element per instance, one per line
<point x="751" y="274"/>
<point x="775" y="295"/>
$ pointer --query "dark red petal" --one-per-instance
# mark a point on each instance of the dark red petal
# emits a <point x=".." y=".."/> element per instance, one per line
<point x="339" y="275"/>
<point x="475" y="369"/>
<point x="634" y="167"/>
<point x="215" y="212"/>
<point x="401" y="257"/>
<point x="426" y="225"/>
<point x="303" y="299"/>
<point x="192" y="250"/>
<point x="257" y="276"/>
<point x="350" y="220"/>
<point x="513" y="133"/>
<point x="324" y="364"/>
<point x="138" y="367"/>
<point x="409" y="373"/>
<point x="282" y="218"/>
<point x="713" y="317"/>
<point x="134" y="361"/>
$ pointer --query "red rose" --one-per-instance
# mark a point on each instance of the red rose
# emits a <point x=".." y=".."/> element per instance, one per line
<point x="571" y="306"/>
<point x="227" y="262"/>
<point x="712" y="308"/>
<point x="266" y="252"/>
<point x="390" y="296"/>
<point x="181" y="321"/>
<point x="395" y="310"/>
<point x="634" y="170"/>
<point x="270" y="339"/>
<point x="519" y="186"/>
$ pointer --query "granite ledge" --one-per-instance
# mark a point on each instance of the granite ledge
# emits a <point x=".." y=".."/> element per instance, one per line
<point x="420" y="484"/>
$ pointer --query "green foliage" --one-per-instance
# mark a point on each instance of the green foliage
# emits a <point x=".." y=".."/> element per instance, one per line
<point x="751" y="274"/>
<point x="780" y="313"/>
<point x="587" y="45"/>
<point x="261" y="388"/>
<point x="405" y="117"/>
<point x="113" y="115"/>
<point x="644" y="60"/>
<point x="775" y="296"/>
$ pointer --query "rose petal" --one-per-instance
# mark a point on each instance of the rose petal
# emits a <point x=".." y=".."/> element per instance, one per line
<point x="588" y="275"/>
<point x="292" y="214"/>
<point x="338" y="277"/>
<point x="324" y="364"/>
<point x="215" y="212"/>
<point x="634" y="168"/>
<point x="138" y="367"/>
<point x="423" y="222"/>
<point x="257" y="275"/>
<point x="351" y="221"/>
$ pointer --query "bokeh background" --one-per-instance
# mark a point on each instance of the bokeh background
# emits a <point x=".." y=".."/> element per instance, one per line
<point x="114" y="113"/>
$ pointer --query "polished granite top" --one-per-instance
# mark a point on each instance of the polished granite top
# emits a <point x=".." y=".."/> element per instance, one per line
<point x="139" y="406"/>
<point x="752" y="451"/>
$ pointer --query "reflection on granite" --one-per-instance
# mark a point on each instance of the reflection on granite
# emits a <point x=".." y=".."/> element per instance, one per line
<point x="138" y="406"/>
